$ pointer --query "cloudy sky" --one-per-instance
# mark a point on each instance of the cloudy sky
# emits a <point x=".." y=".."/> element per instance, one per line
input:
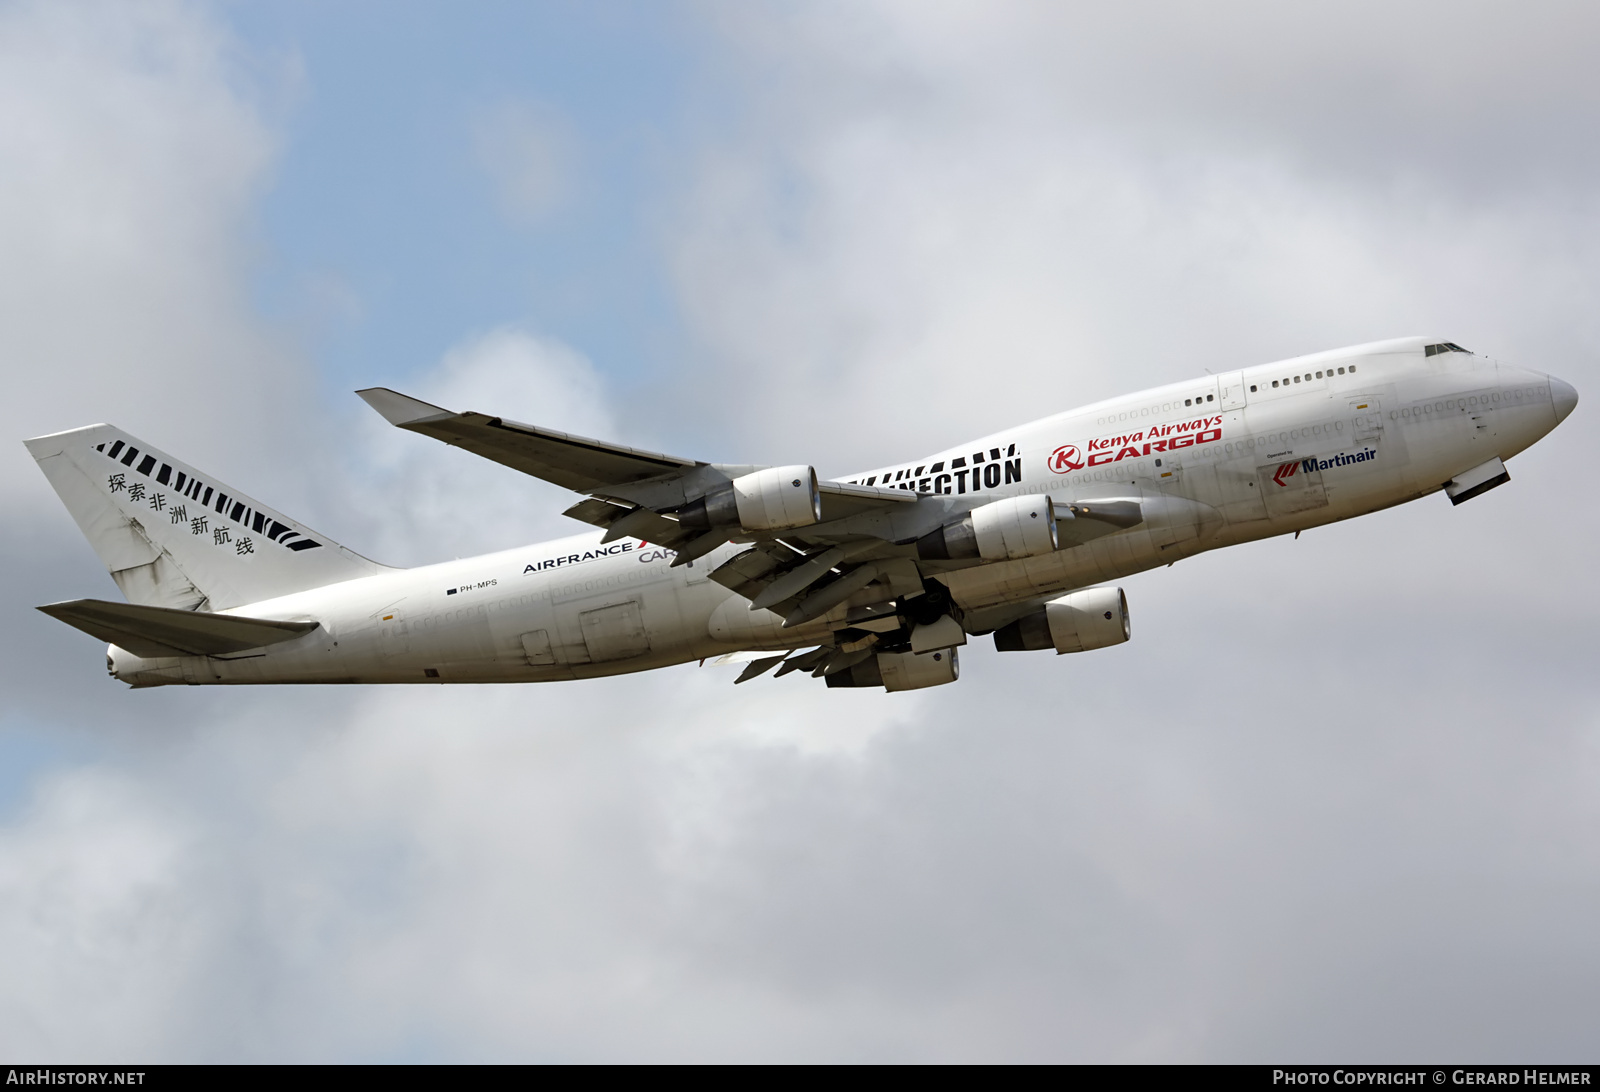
<point x="1338" y="799"/>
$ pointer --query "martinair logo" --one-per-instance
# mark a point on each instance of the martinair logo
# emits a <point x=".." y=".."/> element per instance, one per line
<point x="1311" y="466"/>
<point x="1152" y="441"/>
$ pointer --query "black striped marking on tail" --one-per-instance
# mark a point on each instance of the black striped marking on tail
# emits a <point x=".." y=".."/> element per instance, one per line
<point x="196" y="490"/>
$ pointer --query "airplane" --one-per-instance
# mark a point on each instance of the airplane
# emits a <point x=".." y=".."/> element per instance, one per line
<point x="875" y="580"/>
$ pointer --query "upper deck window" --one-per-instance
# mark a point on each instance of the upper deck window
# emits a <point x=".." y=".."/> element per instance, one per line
<point x="1444" y="347"/>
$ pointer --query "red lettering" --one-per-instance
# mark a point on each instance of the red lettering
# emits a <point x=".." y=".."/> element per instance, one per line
<point x="1125" y="452"/>
<point x="1100" y="458"/>
<point x="1062" y="460"/>
<point x="1209" y="435"/>
<point x="1180" y="441"/>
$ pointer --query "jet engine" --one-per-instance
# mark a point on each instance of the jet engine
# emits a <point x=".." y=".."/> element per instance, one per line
<point x="775" y="499"/>
<point x="1003" y="530"/>
<point x="902" y="670"/>
<point x="1092" y="618"/>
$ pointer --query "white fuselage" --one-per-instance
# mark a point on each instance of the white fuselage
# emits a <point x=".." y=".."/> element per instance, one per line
<point x="1215" y="461"/>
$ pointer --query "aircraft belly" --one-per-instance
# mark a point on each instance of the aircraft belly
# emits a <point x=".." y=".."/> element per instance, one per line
<point x="1090" y="563"/>
<point x="621" y="614"/>
<point x="639" y="613"/>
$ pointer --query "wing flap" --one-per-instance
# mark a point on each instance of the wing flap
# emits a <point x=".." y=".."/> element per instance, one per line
<point x="840" y="500"/>
<point x="163" y="631"/>
<point x="620" y="521"/>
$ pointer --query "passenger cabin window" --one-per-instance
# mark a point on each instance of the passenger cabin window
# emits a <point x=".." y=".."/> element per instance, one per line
<point x="1308" y="376"/>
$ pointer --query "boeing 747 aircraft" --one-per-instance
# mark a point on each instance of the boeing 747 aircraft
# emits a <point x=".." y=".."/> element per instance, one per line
<point x="874" y="580"/>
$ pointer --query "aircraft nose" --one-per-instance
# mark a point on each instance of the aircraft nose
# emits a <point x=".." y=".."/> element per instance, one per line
<point x="1563" y="397"/>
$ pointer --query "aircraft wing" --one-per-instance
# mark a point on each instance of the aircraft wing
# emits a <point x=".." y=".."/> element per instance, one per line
<point x="573" y="462"/>
<point x="813" y="546"/>
<point x="581" y="464"/>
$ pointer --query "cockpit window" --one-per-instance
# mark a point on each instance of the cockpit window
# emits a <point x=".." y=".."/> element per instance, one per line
<point x="1444" y="347"/>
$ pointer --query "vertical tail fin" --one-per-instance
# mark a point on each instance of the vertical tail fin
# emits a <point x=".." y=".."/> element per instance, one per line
<point x="173" y="537"/>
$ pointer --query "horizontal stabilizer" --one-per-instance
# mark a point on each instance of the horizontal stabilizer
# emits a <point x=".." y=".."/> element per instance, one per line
<point x="162" y="631"/>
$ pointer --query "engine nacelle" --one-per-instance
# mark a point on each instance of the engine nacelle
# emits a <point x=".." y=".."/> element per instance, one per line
<point x="1092" y="618"/>
<point x="775" y="499"/>
<point x="902" y="670"/>
<point x="1003" y="530"/>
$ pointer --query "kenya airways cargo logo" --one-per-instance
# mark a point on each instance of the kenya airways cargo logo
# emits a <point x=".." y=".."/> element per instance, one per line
<point x="1152" y="441"/>
<point x="1065" y="459"/>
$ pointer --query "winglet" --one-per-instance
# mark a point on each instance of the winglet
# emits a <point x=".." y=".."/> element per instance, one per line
<point x="400" y="409"/>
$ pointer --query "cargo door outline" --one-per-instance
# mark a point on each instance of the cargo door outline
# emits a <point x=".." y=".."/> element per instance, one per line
<point x="394" y="634"/>
<point x="1290" y="487"/>
<point x="1230" y="391"/>
<point x="1238" y="494"/>
<point x="1366" y="419"/>
<point x="614" y="632"/>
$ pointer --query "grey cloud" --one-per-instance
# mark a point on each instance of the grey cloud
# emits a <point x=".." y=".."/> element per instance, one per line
<point x="1107" y="869"/>
<point x="1472" y="97"/>
<point x="421" y="501"/>
<point x="918" y="199"/>
<point x="133" y="169"/>
<point x="1334" y="801"/>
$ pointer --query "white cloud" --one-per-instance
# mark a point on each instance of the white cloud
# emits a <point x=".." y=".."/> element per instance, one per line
<point x="427" y="502"/>
<point x="126" y="207"/>
<point x="100" y="920"/>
